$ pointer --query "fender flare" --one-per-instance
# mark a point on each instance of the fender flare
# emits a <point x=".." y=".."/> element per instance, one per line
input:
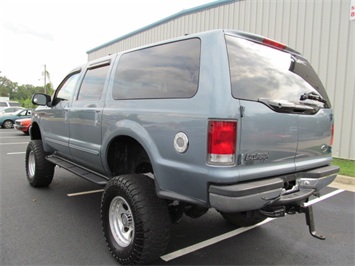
<point x="137" y="132"/>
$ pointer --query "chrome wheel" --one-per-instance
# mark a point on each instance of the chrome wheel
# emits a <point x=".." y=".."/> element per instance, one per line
<point x="121" y="221"/>
<point x="31" y="164"/>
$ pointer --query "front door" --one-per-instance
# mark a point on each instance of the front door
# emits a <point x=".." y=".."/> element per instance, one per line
<point x="54" y="120"/>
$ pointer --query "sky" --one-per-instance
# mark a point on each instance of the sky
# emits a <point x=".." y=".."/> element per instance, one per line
<point x="56" y="34"/>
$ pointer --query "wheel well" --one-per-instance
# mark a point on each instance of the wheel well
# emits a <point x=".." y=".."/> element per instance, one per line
<point x="35" y="131"/>
<point x="127" y="156"/>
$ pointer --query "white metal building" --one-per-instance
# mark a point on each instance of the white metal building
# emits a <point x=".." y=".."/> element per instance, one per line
<point x="322" y="30"/>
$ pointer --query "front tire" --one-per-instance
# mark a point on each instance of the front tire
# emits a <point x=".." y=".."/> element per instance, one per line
<point x="135" y="222"/>
<point x="242" y="219"/>
<point x="39" y="171"/>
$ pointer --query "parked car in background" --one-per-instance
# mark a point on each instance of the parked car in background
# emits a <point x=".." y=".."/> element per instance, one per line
<point x="7" y="121"/>
<point x="4" y="104"/>
<point x="23" y="125"/>
<point x="10" y="110"/>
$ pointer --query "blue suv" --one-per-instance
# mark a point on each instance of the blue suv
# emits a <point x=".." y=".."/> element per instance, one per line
<point x="220" y="119"/>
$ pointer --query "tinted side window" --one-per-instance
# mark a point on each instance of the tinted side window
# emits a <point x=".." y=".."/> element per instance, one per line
<point x="258" y="71"/>
<point x="165" y="71"/>
<point x="25" y="112"/>
<point x="3" y="104"/>
<point x="67" y="88"/>
<point x="93" y="83"/>
<point x="14" y="104"/>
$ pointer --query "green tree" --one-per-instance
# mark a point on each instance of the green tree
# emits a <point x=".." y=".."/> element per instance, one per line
<point x="7" y="87"/>
<point x="48" y="88"/>
<point x="23" y="93"/>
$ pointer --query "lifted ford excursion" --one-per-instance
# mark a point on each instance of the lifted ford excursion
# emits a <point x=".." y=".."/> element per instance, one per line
<point x="220" y="119"/>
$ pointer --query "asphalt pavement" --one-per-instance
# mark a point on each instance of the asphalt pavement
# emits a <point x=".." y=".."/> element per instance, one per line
<point x="60" y="225"/>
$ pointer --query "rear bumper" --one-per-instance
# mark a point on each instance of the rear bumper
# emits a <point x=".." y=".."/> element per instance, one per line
<point x="255" y="195"/>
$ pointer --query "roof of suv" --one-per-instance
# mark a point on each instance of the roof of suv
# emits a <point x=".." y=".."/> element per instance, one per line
<point x="262" y="40"/>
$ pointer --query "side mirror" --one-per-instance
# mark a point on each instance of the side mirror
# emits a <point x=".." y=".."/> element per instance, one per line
<point x="41" y="99"/>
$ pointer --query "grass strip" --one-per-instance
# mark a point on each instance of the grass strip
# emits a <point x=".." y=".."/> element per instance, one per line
<point x="347" y="167"/>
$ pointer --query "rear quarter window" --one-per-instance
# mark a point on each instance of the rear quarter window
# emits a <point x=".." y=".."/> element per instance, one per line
<point x="165" y="71"/>
<point x="258" y="71"/>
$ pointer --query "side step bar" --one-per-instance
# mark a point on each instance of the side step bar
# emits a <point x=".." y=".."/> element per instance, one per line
<point x="78" y="170"/>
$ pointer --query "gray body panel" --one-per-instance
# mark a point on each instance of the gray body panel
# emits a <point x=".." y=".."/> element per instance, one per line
<point x="83" y="131"/>
<point x="85" y="134"/>
<point x="55" y="128"/>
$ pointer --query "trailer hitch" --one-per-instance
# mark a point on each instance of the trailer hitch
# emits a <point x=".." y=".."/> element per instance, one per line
<point x="292" y="202"/>
<point x="308" y="211"/>
<point x="280" y="211"/>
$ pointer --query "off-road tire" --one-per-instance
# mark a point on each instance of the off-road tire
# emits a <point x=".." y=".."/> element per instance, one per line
<point x="141" y="214"/>
<point x="242" y="219"/>
<point x="38" y="170"/>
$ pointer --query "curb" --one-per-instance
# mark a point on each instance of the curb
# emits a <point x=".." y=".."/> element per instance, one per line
<point x="346" y="180"/>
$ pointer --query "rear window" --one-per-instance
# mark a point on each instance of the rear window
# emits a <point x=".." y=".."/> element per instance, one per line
<point x="164" y="71"/>
<point x="261" y="72"/>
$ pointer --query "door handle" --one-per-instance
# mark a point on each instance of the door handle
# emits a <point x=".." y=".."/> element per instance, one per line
<point x="97" y="118"/>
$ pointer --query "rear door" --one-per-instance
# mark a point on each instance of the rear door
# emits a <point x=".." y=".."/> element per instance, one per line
<point x="273" y="118"/>
<point x="85" y="116"/>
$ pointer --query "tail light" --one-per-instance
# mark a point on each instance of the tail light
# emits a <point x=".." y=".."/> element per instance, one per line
<point x="222" y="137"/>
<point x="332" y="136"/>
